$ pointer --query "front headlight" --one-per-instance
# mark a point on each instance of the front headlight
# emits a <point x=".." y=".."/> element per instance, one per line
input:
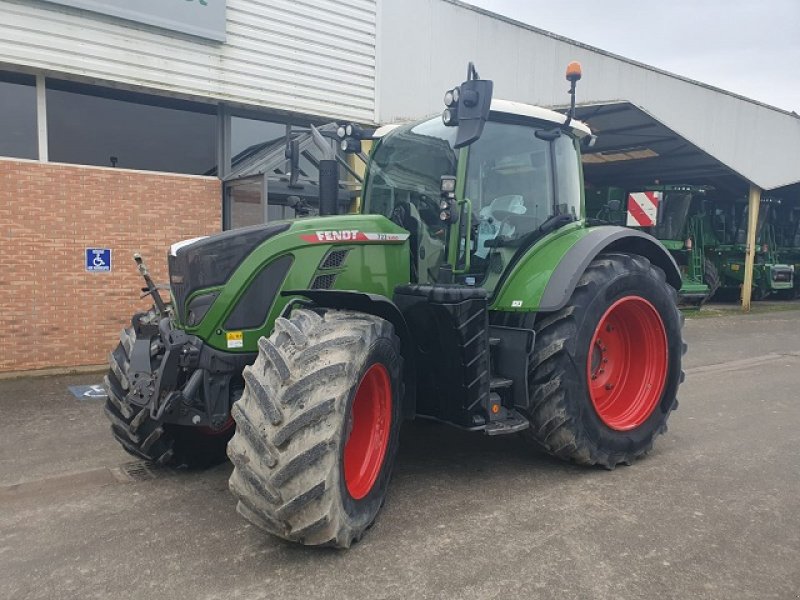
<point x="198" y="307"/>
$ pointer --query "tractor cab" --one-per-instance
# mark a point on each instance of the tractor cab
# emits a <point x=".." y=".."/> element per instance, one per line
<point x="677" y="202"/>
<point x="510" y="186"/>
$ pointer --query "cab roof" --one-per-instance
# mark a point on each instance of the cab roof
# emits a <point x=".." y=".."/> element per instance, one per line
<point x="521" y="109"/>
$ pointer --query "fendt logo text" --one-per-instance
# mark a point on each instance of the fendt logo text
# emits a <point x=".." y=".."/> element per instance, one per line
<point x="352" y="235"/>
<point x="346" y="235"/>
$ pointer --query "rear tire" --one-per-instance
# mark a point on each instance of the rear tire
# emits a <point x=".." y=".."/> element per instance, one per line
<point x="317" y="427"/>
<point x="146" y="439"/>
<point x="606" y="375"/>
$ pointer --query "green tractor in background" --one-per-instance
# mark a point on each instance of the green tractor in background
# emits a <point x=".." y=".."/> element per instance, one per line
<point x="673" y="214"/>
<point x="786" y="222"/>
<point x="728" y="224"/>
<point x="470" y="289"/>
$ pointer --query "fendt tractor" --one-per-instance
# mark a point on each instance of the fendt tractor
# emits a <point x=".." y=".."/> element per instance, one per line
<point x="468" y="289"/>
<point x="675" y="215"/>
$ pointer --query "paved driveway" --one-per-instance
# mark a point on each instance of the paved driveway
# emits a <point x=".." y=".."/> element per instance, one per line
<point x="713" y="512"/>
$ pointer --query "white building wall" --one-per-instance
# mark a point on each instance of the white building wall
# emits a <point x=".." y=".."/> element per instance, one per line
<point x="287" y="55"/>
<point x="424" y="46"/>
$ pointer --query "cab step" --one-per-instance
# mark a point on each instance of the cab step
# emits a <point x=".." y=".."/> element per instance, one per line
<point x="500" y="383"/>
<point x="512" y="423"/>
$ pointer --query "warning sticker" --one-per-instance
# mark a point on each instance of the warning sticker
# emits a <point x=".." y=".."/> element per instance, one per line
<point x="235" y="339"/>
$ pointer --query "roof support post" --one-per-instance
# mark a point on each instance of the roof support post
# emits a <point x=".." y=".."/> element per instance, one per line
<point x="223" y="141"/>
<point x="265" y="196"/>
<point x="41" y="117"/>
<point x="754" y="203"/>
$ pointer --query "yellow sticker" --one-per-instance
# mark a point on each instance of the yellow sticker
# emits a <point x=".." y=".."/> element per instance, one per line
<point x="734" y="267"/>
<point x="235" y="339"/>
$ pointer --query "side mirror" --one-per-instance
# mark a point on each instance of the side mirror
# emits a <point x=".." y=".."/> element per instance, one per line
<point x="468" y="107"/>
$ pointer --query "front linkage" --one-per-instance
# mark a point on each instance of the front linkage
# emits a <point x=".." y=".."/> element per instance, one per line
<point x="169" y="392"/>
<point x="189" y="382"/>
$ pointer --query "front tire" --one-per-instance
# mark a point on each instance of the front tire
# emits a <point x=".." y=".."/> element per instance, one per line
<point x="317" y="427"/>
<point x="605" y="379"/>
<point x="147" y="439"/>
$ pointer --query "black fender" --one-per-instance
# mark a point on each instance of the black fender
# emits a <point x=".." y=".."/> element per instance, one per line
<point x="601" y="239"/>
<point x="380" y="306"/>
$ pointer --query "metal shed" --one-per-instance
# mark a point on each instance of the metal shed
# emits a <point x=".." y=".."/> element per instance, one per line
<point x="668" y="126"/>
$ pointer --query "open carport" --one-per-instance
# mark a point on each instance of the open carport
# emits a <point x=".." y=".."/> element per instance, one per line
<point x="635" y="149"/>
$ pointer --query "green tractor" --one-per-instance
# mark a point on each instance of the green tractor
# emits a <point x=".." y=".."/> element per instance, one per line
<point x="786" y="223"/>
<point x="673" y="214"/>
<point x="469" y="290"/>
<point x="728" y="219"/>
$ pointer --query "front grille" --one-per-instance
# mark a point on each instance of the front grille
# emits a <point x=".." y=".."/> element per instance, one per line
<point x="782" y="275"/>
<point x="177" y="286"/>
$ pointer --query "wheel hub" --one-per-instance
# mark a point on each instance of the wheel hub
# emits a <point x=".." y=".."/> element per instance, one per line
<point x="627" y="363"/>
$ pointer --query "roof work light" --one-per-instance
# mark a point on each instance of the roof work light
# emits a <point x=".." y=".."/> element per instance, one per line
<point x="574" y="71"/>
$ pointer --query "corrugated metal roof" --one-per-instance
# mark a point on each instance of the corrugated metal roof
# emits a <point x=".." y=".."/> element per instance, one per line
<point x="424" y="46"/>
<point x="286" y="55"/>
<point x="634" y="148"/>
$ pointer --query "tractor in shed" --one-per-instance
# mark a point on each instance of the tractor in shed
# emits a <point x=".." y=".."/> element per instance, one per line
<point x="787" y="242"/>
<point x="673" y="214"/>
<point x="469" y="289"/>
<point x="772" y="276"/>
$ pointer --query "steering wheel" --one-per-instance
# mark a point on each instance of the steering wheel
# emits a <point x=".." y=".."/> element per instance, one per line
<point x="503" y="215"/>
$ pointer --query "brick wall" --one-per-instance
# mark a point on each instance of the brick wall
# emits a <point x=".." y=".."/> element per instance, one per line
<point x="54" y="313"/>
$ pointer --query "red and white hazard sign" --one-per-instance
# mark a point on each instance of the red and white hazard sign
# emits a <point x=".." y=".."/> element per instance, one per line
<point x="643" y="208"/>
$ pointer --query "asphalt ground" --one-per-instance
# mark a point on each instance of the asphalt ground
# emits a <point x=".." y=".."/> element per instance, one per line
<point x="712" y="512"/>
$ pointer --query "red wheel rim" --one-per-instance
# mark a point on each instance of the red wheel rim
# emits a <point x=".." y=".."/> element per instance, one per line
<point x="627" y="363"/>
<point x="370" y="421"/>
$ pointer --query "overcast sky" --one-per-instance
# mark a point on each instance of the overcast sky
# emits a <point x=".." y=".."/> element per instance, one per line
<point x="751" y="47"/>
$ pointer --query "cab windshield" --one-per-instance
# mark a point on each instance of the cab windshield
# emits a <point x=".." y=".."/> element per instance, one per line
<point x="405" y="171"/>
<point x="673" y="212"/>
<point x="512" y="182"/>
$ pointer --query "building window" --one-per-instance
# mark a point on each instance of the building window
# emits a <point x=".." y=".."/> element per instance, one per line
<point x="91" y="125"/>
<point x="18" y="116"/>
<point x="246" y="201"/>
<point x="260" y="168"/>
<point x="248" y="135"/>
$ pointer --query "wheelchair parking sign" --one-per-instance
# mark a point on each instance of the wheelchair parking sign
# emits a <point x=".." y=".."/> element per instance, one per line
<point x="98" y="260"/>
